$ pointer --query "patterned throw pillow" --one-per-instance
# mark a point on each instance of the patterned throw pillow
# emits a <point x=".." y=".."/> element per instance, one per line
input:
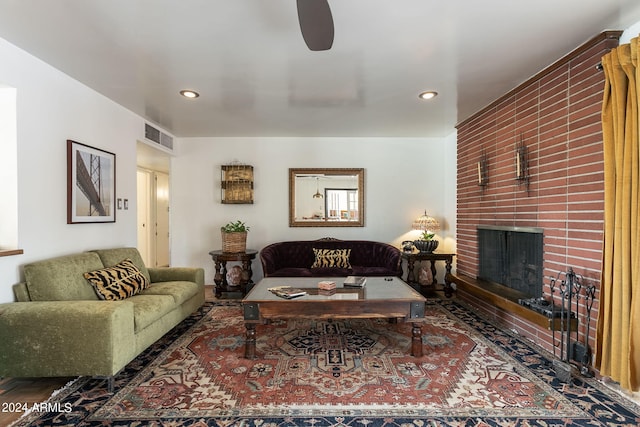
<point x="121" y="281"/>
<point x="331" y="258"/>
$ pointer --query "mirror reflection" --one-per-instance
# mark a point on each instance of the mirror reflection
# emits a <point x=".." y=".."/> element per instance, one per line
<point x="326" y="197"/>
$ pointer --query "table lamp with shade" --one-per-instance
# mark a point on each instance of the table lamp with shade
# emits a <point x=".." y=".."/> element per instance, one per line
<point x="428" y="225"/>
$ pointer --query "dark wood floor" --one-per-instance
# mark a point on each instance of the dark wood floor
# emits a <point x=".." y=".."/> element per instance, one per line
<point x="17" y="393"/>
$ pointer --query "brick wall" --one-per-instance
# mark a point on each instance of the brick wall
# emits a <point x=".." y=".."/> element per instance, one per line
<point x="556" y="114"/>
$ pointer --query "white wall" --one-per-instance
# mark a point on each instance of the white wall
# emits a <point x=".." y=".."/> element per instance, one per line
<point x="403" y="177"/>
<point x="51" y="108"/>
<point x="630" y="33"/>
<point x="8" y="169"/>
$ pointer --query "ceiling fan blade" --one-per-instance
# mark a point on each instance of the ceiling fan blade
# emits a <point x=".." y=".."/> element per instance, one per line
<point x="316" y="23"/>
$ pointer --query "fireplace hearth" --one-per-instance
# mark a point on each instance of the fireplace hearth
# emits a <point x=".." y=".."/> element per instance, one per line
<point x="511" y="257"/>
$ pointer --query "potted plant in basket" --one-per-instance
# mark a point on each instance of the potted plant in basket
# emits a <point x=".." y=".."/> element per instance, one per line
<point x="234" y="236"/>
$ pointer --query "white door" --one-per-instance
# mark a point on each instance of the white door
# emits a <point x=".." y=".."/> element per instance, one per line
<point x="162" y="219"/>
<point x="144" y="215"/>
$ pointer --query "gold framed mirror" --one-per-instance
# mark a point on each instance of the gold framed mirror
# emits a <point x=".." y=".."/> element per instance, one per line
<point x="326" y="197"/>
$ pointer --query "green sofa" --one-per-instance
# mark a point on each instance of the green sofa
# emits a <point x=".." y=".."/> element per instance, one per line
<point x="59" y="327"/>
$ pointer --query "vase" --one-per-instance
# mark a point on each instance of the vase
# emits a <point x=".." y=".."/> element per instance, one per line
<point x="426" y="246"/>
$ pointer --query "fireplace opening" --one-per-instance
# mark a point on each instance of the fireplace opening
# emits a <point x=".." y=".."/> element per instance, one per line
<point x="511" y="257"/>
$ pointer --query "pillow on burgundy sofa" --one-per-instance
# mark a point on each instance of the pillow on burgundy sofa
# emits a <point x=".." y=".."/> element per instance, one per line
<point x="331" y="258"/>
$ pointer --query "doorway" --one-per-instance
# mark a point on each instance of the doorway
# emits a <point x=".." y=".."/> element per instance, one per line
<point x="153" y="217"/>
<point x="153" y="201"/>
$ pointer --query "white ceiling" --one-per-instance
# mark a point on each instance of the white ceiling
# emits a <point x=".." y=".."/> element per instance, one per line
<point x="256" y="76"/>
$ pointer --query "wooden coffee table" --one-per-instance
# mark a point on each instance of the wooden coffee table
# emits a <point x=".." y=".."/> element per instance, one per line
<point x="382" y="297"/>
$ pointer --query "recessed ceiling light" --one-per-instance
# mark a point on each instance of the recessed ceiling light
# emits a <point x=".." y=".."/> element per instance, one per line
<point x="189" y="94"/>
<point x="428" y="95"/>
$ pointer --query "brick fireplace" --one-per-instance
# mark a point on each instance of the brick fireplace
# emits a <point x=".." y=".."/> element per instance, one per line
<point x="555" y="116"/>
<point x="511" y="257"/>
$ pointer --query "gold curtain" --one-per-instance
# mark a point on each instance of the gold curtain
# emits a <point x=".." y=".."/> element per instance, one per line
<point x="618" y="329"/>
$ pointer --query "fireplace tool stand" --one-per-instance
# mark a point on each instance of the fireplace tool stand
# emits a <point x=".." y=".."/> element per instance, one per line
<point x="571" y="292"/>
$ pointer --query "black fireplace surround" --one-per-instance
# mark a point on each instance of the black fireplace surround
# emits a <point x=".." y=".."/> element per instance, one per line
<point x="511" y="257"/>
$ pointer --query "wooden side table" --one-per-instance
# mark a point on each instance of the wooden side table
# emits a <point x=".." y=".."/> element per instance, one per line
<point x="221" y="258"/>
<point x="432" y="258"/>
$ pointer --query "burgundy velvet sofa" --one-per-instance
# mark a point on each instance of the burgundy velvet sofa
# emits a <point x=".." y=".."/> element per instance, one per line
<point x="295" y="259"/>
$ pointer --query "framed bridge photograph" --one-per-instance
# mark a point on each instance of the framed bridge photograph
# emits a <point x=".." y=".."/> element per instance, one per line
<point x="91" y="185"/>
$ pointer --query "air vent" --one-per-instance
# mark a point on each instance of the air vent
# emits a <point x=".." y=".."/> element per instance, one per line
<point x="166" y="141"/>
<point x="151" y="133"/>
<point x="156" y="135"/>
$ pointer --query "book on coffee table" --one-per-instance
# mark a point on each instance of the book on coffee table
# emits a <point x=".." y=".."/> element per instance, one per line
<point x="354" y="282"/>
<point x="288" y="292"/>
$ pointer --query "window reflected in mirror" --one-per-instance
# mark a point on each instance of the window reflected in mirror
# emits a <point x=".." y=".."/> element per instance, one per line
<point x="326" y="197"/>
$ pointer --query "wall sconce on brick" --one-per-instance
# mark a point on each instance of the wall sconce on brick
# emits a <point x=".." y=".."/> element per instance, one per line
<point x="522" y="162"/>
<point x="483" y="171"/>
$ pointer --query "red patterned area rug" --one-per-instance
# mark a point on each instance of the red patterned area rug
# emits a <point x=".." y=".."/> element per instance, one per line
<point x="339" y="373"/>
